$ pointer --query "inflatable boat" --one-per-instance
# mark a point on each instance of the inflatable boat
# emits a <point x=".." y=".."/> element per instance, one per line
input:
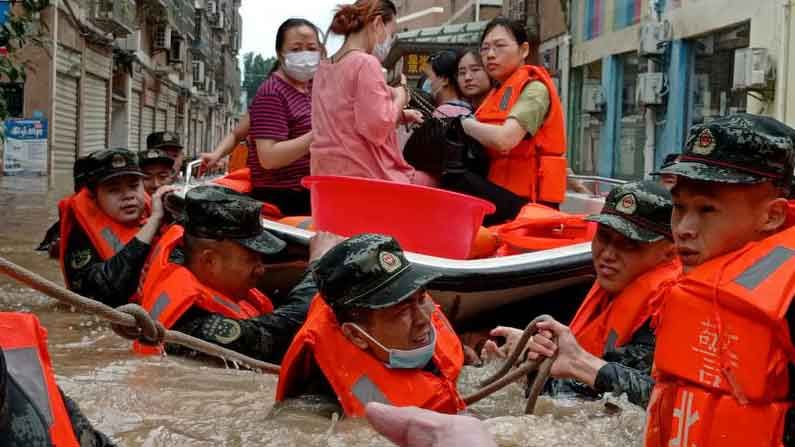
<point x="436" y="228"/>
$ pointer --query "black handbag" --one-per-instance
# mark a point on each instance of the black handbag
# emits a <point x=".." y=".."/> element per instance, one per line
<point x="440" y="146"/>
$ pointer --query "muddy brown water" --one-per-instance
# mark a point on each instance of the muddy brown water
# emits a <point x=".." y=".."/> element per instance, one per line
<point x="174" y="401"/>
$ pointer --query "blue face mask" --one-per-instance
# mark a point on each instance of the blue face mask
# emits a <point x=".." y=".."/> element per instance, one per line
<point x="401" y="359"/>
<point x="426" y="86"/>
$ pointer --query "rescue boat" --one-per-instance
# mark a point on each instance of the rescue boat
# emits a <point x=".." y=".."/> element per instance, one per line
<point x="467" y="288"/>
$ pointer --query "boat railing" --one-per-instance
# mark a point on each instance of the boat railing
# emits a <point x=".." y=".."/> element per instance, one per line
<point x="596" y="181"/>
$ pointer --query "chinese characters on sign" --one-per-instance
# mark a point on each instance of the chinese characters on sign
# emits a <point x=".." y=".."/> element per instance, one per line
<point x="25" y="147"/>
<point x="414" y="64"/>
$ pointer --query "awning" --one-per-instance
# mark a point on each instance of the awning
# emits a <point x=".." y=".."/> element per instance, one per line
<point x="434" y="39"/>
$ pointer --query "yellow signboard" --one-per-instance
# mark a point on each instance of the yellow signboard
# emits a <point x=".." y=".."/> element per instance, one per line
<point x="414" y="63"/>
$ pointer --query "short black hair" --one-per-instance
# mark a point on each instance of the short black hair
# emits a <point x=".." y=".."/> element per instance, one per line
<point x="514" y="27"/>
<point x="445" y="65"/>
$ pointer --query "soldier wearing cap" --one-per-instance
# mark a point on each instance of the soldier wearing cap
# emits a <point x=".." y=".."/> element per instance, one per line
<point x="158" y="166"/>
<point x="634" y="260"/>
<point x="373" y="334"/>
<point x="108" y="227"/>
<point x="170" y="143"/>
<point x="202" y="279"/>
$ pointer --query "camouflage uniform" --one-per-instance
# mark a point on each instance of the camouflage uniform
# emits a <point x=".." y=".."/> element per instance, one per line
<point x="218" y="213"/>
<point x="114" y="281"/>
<point x="640" y="211"/>
<point x="739" y="149"/>
<point x="21" y="425"/>
<point x="368" y="272"/>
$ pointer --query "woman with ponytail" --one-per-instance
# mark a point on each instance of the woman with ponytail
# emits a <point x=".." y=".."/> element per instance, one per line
<point x="355" y="112"/>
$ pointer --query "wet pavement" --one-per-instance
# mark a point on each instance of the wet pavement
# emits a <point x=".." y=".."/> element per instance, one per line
<point x="174" y="401"/>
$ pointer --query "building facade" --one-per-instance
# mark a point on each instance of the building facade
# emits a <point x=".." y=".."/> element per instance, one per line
<point x="118" y="70"/>
<point x="641" y="72"/>
<point x="418" y="14"/>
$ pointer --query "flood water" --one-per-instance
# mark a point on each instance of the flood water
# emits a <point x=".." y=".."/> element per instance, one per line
<point x="173" y="401"/>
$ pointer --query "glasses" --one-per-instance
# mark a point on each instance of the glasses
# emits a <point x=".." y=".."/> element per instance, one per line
<point x="499" y="48"/>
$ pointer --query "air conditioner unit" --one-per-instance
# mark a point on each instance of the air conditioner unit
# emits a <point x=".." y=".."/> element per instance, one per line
<point x="162" y="39"/>
<point x="592" y="97"/>
<point x="653" y="36"/>
<point x="752" y="69"/>
<point x="113" y="16"/>
<point x="131" y="42"/>
<point x="650" y="88"/>
<point x="176" y="54"/>
<point x="198" y="74"/>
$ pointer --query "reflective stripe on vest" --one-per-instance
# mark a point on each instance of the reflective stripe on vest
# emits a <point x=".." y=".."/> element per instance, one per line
<point x="25" y="369"/>
<point x="763" y="268"/>
<point x="160" y="305"/>
<point x="357" y="377"/>
<point x="726" y="382"/>
<point x="24" y="345"/>
<point x="107" y="236"/>
<point x="366" y="391"/>
<point x="112" y="240"/>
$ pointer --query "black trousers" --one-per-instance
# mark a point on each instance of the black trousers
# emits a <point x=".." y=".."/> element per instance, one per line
<point x="291" y="202"/>
<point x="508" y="204"/>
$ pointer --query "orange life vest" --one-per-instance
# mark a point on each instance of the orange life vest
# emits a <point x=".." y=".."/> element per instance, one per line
<point x="539" y="227"/>
<point x="536" y="167"/>
<point x="106" y="235"/>
<point x="240" y="181"/>
<point x="723" y="351"/>
<point x="603" y="322"/>
<point x="358" y="378"/>
<point x="239" y="157"/>
<point x="169" y="290"/>
<point x="24" y="344"/>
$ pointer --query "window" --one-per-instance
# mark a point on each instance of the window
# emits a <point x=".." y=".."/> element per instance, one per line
<point x="712" y="82"/>
<point x="632" y="127"/>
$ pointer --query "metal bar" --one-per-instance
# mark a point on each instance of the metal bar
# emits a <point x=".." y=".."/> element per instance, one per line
<point x="596" y="178"/>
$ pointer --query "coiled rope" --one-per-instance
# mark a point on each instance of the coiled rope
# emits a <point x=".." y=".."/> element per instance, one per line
<point x="537" y="371"/>
<point x="130" y="321"/>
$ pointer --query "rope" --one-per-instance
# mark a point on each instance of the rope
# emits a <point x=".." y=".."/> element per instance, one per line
<point x="537" y="371"/>
<point x="130" y="321"/>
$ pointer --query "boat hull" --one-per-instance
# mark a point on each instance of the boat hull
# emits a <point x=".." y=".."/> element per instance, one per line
<point x="467" y="289"/>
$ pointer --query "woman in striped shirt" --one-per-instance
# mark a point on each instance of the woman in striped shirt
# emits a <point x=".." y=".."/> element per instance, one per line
<point x="281" y="120"/>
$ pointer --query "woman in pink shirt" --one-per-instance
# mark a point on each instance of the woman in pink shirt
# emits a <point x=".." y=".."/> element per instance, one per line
<point x="354" y="112"/>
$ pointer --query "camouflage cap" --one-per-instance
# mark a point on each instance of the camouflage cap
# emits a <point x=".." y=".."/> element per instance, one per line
<point x="151" y="156"/>
<point x="100" y="166"/>
<point x="368" y="271"/>
<point x="215" y="212"/>
<point x="159" y="140"/>
<point x="740" y="148"/>
<point x="640" y="211"/>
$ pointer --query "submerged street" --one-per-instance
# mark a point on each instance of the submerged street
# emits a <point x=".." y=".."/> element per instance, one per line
<point x="176" y="402"/>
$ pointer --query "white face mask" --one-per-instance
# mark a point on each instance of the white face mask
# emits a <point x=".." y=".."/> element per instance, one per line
<point x="301" y="65"/>
<point x="381" y="50"/>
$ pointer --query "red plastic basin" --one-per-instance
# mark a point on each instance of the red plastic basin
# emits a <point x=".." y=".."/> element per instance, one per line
<point x="424" y="220"/>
